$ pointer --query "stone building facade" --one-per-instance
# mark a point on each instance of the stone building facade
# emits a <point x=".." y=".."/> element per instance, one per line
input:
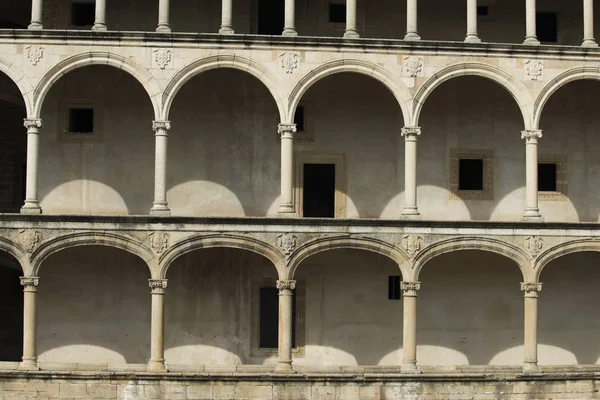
<point x="327" y="199"/>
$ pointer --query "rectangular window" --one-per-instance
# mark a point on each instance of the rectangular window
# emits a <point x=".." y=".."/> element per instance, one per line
<point x="81" y="120"/>
<point x="547" y="27"/>
<point x="482" y="11"/>
<point x="319" y="190"/>
<point x="299" y="119"/>
<point x="83" y="13"/>
<point x="547" y="177"/>
<point x="470" y="174"/>
<point x="394" y="288"/>
<point x="337" y="13"/>
<point x="269" y="318"/>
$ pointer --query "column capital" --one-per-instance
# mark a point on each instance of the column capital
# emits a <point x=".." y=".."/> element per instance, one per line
<point x="30" y="283"/>
<point x="410" y="289"/>
<point x="411" y="132"/>
<point x="286" y="287"/>
<point x="157" y="286"/>
<point x="531" y="289"/>
<point x="158" y="126"/>
<point x="33" y="125"/>
<point x="531" y="135"/>
<point x="286" y="130"/>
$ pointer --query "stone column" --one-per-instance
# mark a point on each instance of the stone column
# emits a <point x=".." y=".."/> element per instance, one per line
<point x="29" y="284"/>
<point x="160" y="206"/>
<point x="530" y="346"/>
<point x="532" y="212"/>
<point x="286" y="205"/>
<point x="530" y="23"/>
<point x="32" y="204"/>
<point x="289" y="28"/>
<point x="36" y="15"/>
<point x="472" y="36"/>
<point x="163" y="17"/>
<point x="409" y="336"/>
<point x="286" y="292"/>
<point x="411" y="21"/>
<point x="588" y="24"/>
<point x="351" y="32"/>
<point x="100" y="22"/>
<point x="410" y="134"/>
<point x="157" y="351"/>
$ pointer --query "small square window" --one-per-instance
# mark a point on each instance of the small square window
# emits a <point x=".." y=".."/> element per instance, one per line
<point x="552" y="177"/>
<point x="470" y="174"/>
<point x="547" y="175"/>
<point x="394" y="288"/>
<point x="482" y="11"/>
<point x="337" y="13"/>
<point x="83" y="13"/>
<point x="299" y="119"/>
<point x="81" y="120"/>
<point x="547" y="27"/>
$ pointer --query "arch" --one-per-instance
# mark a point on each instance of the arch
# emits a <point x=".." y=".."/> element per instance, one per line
<point x="223" y="61"/>
<point x="563" y="249"/>
<point x="517" y="90"/>
<point x="510" y="251"/>
<point x="18" y="77"/>
<point x="345" y="242"/>
<point x="217" y="240"/>
<point x="18" y="252"/>
<point x="141" y="74"/>
<point x="398" y="89"/>
<point x="570" y="75"/>
<point x="108" y="239"/>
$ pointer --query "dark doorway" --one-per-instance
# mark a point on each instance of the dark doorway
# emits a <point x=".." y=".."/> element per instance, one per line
<point x="11" y="309"/>
<point x="270" y="17"/>
<point x="269" y="318"/>
<point x="319" y="190"/>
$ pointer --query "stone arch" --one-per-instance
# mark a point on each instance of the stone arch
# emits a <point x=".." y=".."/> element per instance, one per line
<point x="398" y="89"/>
<point x="345" y="242"/>
<point x="508" y="250"/>
<point x="108" y="239"/>
<point x="18" y="252"/>
<point x="141" y="74"/>
<point x="217" y="240"/>
<point x="517" y="90"/>
<point x="223" y="61"/>
<point x="563" y="249"/>
<point x="18" y="77"/>
<point x="570" y="75"/>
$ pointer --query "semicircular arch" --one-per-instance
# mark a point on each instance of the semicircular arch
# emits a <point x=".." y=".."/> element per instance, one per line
<point x="516" y="89"/>
<point x="18" y="252"/>
<point x="563" y="249"/>
<point x="375" y="71"/>
<point x="18" y="77"/>
<point x="141" y="74"/>
<point x="222" y="61"/>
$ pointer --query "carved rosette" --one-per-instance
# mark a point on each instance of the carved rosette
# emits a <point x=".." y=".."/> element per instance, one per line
<point x="286" y="288"/>
<point x="286" y="130"/>
<point x="411" y="133"/>
<point x="157" y="286"/>
<point x="30" y="283"/>
<point x="531" y="136"/>
<point x="29" y="239"/>
<point x="159" y="241"/>
<point x="412" y="244"/>
<point x="534" y="245"/>
<point x="287" y="242"/>
<point x="531" y="289"/>
<point x="410" y="289"/>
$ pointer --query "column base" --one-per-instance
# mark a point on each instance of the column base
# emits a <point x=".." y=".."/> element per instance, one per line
<point x="532" y="216"/>
<point x="531" y="368"/>
<point x="35" y="26"/>
<point x="31" y="207"/>
<point x="351" y="34"/>
<point x="284" y="368"/>
<point x="532" y="40"/>
<point x="226" y="30"/>
<point x="29" y="364"/>
<point x="410" y="213"/>
<point x="289" y="32"/>
<point x="286" y="211"/>
<point x="410" y="368"/>
<point x="157" y="366"/>
<point x="99" y="27"/>
<point x="412" y="36"/>
<point x="589" y="43"/>
<point x="160" y="210"/>
<point x="472" y="39"/>
<point x="163" y="29"/>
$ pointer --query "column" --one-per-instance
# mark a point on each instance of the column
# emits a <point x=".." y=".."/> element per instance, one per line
<point x="530" y="21"/>
<point x="286" y="292"/>
<point x="29" y="284"/>
<point x="157" y="352"/>
<point x="351" y="32"/>
<point x="409" y="335"/>
<point x="286" y="205"/>
<point x="100" y="22"/>
<point x="163" y="17"/>
<point x="532" y="212"/>
<point x="411" y="21"/>
<point x="530" y="335"/>
<point x="289" y="28"/>
<point x="36" y="15"/>
<point x="472" y="36"/>
<point x="588" y="24"/>
<point x="410" y="134"/>
<point x="32" y="205"/>
<point x="160" y="206"/>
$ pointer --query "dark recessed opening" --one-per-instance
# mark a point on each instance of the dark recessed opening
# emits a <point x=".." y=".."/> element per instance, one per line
<point x="394" y="288"/>
<point x="319" y="190"/>
<point x="482" y="11"/>
<point x="270" y="17"/>
<point x="299" y="119"/>
<point x="337" y="13"/>
<point x="81" y="120"/>
<point x="470" y="174"/>
<point x="269" y="318"/>
<point x="547" y="177"/>
<point x="547" y="27"/>
<point x="83" y="14"/>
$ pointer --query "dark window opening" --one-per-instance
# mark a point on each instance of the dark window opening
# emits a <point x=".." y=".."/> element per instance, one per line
<point x="83" y="14"/>
<point x="547" y="27"/>
<point x="337" y="13"/>
<point x="7" y="24"/>
<point x="299" y="119"/>
<point x="319" y="190"/>
<point x="81" y="120"/>
<point x="394" y="288"/>
<point x="11" y="309"/>
<point x="482" y="11"/>
<point x="270" y="17"/>
<point x="547" y="177"/>
<point x="470" y="174"/>
<point x="269" y="318"/>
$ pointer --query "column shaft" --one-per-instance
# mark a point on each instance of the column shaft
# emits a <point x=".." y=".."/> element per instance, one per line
<point x="163" y="17"/>
<point x="36" y="15"/>
<point x="286" y="205"/>
<point x="530" y="335"/>
<point x="160" y="206"/>
<point x="289" y="28"/>
<point x="588" y="24"/>
<point x="351" y="32"/>
<point x="410" y="210"/>
<point x="29" y="322"/>
<point x="530" y="23"/>
<point x="100" y="22"/>
<point x="472" y="35"/>
<point x="532" y="212"/>
<point x="409" y="335"/>
<point x="411" y="21"/>
<point x="32" y="205"/>
<point x="157" y="353"/>
<point x="286" y="292"/>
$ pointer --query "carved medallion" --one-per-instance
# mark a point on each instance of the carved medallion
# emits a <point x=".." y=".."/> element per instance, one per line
<point x="287" y="242"/>
<point x="159" y="241"/>
<point x="412" y="244"/>
<point x="289" y="62"/>
<point x="29" y="238"/>
<point x="34" y="53"/>
<point x="534" y="69"/>
<point x="162" y="57"/>
<point x="534" y="245"/>
<point x="413" y="66"/>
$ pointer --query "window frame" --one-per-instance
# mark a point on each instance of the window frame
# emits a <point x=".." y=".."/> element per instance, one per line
<point x="561" y="177"/>
<point x="63" y="135"/>
<point x="488" y="177"/>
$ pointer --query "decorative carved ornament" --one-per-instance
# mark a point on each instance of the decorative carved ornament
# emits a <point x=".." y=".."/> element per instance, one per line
<point x="531" y="136"/>
<point x="29" y="238"/>
<point x="411" y="132"/>
<point x="534" y="70"/>
<point x="161" y="125"/>
<point x="531" y="289"/>
<point x="289" y="62"/>
<point x="413" y="66"/>
<point x="32" y="124"/>
<point x="534" y="245"/>
<point x="30" y="281"/>
<point x="286" y="287"/>
<point x="157" y="286"/>
<point x="412" y="244"/>
<point x="410" y="289"/>
<point x="162" y="57"/>
<point x="34" y="53"/>
<point x="159" y="241"/>
<point x="287" y="242"/>
<point x="286" y="130"/>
